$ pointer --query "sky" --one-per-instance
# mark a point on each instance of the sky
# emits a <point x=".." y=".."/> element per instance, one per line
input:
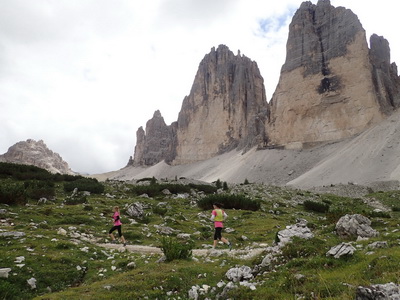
<point x="84" y="75"/>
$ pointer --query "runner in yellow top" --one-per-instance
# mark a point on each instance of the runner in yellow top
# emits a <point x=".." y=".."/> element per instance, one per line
<point x="218" y="216"/>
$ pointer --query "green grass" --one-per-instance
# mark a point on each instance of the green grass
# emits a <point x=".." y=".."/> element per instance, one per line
<point x="65" y="271"/>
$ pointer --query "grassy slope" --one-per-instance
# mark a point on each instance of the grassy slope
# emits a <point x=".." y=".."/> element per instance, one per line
<point x="60" y="265"/>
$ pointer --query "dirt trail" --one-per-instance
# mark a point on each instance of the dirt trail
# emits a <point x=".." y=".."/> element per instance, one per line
<point x="239" y="253"/>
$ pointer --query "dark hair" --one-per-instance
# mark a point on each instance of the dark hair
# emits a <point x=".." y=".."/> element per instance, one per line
<point x="219" y="205"/>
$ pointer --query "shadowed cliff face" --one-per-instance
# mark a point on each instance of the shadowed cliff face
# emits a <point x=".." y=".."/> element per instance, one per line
<point x="332" y="86"/>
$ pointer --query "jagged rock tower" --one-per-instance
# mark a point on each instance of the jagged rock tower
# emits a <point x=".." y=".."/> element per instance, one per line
<point x="226" y="109"/>
<point x="331" y="85"/>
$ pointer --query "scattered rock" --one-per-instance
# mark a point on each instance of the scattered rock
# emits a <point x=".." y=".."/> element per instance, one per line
<point x="61" y="231"/>
<point x="14" y="234"/>
<point x="4" y="272"/>
<point x="300" y="230"/>
<point x="32" y="283"/>
<point x="341" y="250"/>
<point x="388" y="291"/>
<point x="183" y="236"/>
<point x="164" y="229"/>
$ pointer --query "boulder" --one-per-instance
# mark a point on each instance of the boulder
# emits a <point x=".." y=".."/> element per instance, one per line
<point x="4" y="272"/>
<point x="355" y="226"/>
<point x="377" y="245"/>
<point x="135" y="210"/>
<point x="239" y="274"/>
<point x="340" y="250"/>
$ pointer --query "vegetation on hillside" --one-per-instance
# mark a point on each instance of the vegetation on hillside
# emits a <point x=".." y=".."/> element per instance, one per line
<point x="60" y="247"/>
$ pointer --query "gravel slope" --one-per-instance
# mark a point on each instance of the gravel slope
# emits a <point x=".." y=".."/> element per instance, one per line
<point x="371" y="158"/>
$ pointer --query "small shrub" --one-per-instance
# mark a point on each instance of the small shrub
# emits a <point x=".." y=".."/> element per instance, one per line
<point x="298" y="248"/>
<point x="246" y="181"/>
<point x="88" y="208"/>
<point x="159" y="210"/>
<point x="316" y="206"/>
<point x="229" y="202"/>
<point x="218" y="184"/>
<point x="379" y="214"/>
<point x="174" y="249"/>
<point x="36" y="189"/>
<point x="77" y="199"/>
<point x="395" y="208"/>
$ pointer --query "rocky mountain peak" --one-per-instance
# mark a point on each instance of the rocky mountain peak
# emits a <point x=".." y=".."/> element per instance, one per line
<point x="31" y="152"/>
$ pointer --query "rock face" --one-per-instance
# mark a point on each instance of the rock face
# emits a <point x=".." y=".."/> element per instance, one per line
<point x="226" y="109"/>
<point x="331" y="86"/>
<point x="30" y="152"/>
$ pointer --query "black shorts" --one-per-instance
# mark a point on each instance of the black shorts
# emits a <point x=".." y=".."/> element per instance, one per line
<point x="218" y="233"/>
<point x="116" y="228"/>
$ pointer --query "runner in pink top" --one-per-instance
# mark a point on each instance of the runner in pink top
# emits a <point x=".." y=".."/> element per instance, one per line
<point x="117" y="226"/>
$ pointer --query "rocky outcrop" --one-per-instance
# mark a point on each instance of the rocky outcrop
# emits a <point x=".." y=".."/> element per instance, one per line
<point x="30" y="152"/>
<point x="327" y="89"/>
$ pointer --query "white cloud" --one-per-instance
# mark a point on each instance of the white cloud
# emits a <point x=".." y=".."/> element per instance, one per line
<point x="83" y="75"/>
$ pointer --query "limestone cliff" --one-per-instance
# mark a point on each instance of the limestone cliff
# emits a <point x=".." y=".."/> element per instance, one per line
<point x="30" y="152"/>
<point x="330" y="86"/>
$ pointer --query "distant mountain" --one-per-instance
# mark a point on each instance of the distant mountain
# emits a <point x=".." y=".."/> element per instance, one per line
<point x="30" y="152"/>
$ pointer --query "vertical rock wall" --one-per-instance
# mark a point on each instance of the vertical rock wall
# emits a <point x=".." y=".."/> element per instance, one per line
<point x="326" y="89"/>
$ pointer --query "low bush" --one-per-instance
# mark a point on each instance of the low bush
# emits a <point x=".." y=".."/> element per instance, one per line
<point x="76" y="199"/>
<point x="379" y="214"/>
<point x="229" y="202"/>
<point x="85" y="184"/>
<point x="12" y="193"/>
<point x="159" y="210"/>
<point x="174" y="249"/>
<point x="300" y="248"/>
<point x="316" y="206"/>
<point x="36" y="189"/>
